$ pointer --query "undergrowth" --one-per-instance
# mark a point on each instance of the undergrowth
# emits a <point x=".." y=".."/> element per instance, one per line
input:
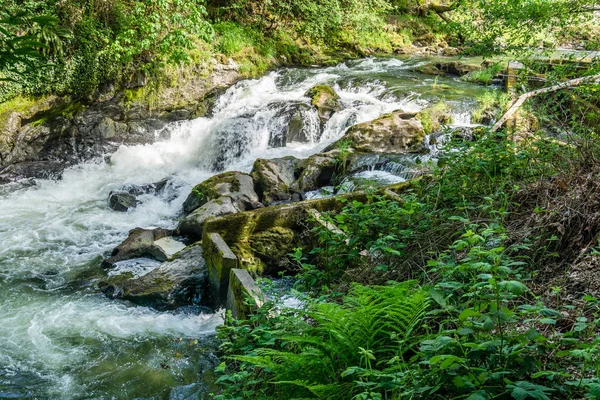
<point x="493" y="244"/>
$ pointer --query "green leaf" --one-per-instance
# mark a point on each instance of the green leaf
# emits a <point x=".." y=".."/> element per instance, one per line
<point x="515" y="287"/>
<point x="480" y="395"/>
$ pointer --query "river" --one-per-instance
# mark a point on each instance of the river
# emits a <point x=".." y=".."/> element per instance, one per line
<point x="60" y="337"/>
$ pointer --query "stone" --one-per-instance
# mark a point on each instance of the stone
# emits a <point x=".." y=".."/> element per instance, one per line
<point x="220" y="260"/>
<point x="453" y="68"/>
<point x="122" y="201"/>
<point x="237" y="186"/>
<point x="390" y="134"/>
<point x="318" y="171"/>
<point x="273" y="246"/>
<point x="272" y="178"/>
<point x="139" y="243"/>
<point x="325" y="100"/>
<point x="294" y="122"/>
<point x="165" y="248"/>
<point x="192" y="225"/>
<point x="180" y="281"/>
<point x="243" y="290"/>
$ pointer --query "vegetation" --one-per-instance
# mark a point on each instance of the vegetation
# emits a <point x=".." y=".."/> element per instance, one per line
<point x="133" y="43"/>
<point x="472" y="286"/>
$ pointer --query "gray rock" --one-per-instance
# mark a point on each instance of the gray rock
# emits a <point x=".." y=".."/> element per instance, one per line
<point x="318" y="171"/>
<point x="273" y="178"/>
<point x="139" y="243"/>
<point x="389" y="134"/>
<point x="193" y="224"/>
<point x="178" y="282"/>
<point x="122" y="201"/>
<point x="237" y="186"/>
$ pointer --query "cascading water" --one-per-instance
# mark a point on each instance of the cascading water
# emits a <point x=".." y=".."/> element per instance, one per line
<point x="59" y="337"/>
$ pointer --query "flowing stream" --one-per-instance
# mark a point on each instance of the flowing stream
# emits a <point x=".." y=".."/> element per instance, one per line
<point x="60" y="338"/>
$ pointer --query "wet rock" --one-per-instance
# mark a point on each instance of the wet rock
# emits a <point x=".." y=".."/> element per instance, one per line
<point x="318" y="170"/>
<point x="434" y="116"/>
<point x="193" y="224"/>
<point x="180" y="281"/>
<point x="127" y="196"/>
<point x="325" y="100"/>
<point x="453" y="68"/>
<point x="237" y="186"/>
<point x="390" y="134"/>
<point x="273" y="178"/>
<point x="295" y="122"/>
<point x="32" y="169"/>
<point x="139" y="243"/>
<point x="122" y="201"/>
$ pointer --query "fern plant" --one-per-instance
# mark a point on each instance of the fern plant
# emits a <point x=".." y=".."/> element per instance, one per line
<point x="333" y="349"/>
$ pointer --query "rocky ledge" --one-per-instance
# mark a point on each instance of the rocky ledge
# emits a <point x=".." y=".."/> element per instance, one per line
<point x="239" y="223"/>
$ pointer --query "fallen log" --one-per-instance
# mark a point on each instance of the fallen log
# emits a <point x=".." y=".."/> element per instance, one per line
<point x="521" y="100"/>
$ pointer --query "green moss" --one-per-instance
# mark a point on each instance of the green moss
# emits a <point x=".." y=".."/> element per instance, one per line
<point x="206" y="190"/>
<point x="484" y="76"/>
<point x="490" y="106"/>
<point x="323" y="95"/>
<point x="273" y="244"/>
<point x="434" y="116"/>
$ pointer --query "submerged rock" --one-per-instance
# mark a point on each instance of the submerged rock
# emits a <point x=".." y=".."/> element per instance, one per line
<point x="180" y="281"/>
<point x="273" y="178"/>
<point x="122" y="201"/>
<point x="393" y="133"/>
<point x="295" y="122"/>
<point x="455" y="68"/>
<point x="127" y="196"/>
<point x="141" y="243"/>
<point x="223" y="194"/>
<point x="325" y="100"/>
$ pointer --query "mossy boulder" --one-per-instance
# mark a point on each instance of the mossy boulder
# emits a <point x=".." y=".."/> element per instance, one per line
<point x="180" y="281"/>
<point x="272" y="178"/>
<point x="451" y="68"/>
<point x="393" y="133"/>
<point x="223" y="194"/>
<point x="237" y="186"/>
<point x="433" y="117"/>
<point x="325" y="100"/>
<point x="273" y="246"/>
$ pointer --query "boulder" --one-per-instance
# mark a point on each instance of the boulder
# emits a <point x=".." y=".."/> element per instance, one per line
<point x="140" y="243"/>
<point x="318" y="171"/>
<point x="391" y="134"/>
<point x="272" y="178"/>
<point x="193" y="224"/>
<point x="122" y="201"/>
<point x="453" y="68"/>
<point x="434" y="116"/>
<point x="325" y="100"/>
<point x="295" y="122"/>
<point x="126" y="197"/>
<point x="237" y="186"/>
<point x="180" y="281"/>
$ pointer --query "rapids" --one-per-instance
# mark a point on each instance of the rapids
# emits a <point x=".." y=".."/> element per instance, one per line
<point x="62" y="339"/>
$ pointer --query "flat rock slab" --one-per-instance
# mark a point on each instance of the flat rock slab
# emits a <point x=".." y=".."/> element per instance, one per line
<point x="168" y="247"/>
